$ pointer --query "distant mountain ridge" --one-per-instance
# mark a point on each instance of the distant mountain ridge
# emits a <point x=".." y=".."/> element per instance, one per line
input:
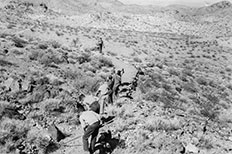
<point x="85" y="6"/>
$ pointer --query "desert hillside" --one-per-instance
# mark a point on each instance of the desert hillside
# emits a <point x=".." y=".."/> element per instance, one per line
<point x="180" y="102"/>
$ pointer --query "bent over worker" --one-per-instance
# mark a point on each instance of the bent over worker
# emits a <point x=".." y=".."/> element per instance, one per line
<point x="90" y="122"/>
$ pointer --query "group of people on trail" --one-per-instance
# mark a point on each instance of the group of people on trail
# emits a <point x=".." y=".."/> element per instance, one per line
<point x="90" y="117"/>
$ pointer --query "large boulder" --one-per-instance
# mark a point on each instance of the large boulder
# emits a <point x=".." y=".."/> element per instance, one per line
<point x="55" y="133"/>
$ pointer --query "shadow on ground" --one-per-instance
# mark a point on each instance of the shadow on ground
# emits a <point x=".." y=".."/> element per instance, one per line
<point x="106" y="144"/>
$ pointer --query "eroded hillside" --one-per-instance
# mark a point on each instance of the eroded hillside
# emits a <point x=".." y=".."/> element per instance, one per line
<point x="182" y="103"/>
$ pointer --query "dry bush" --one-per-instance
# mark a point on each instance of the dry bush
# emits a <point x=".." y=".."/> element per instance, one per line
<point x="225" y="115"/>
<point x="137" y="59"/>
<point x="55" y="44"/>
<point x="43" y="45"/>
<point x="148" y="83"/>
<point x="41" y="142"/>
<point x="168" y="99"/>
<point x="89" y="67"/>
<point x="188" y="72"/>
<point x="205" y="142"/>
<point x="190" y="87"/>
<point x="52" y="105"/>
<point x="12" y="133"/>
<point x="87" y="83"/>
<point x="84" y="58"/>
<point x="100" y="61"/>
<point x="20" y="43"/>
<point x="49" y="58"/>
<point x="16" y="51"/>
<point x="3" y="105"/>
<point x="113" y="54"/>
<point x="5" y="63"/>
<point x="36" y="55"/>
<point x="173" y="71"/>
<point x="160" y="124"/>
<point x="152" y="96"/>
<point x="202" y="81"/>
<point x="82" y="81"/>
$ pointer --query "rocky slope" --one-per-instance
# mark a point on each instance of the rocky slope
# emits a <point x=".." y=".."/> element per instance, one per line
<point x="48" y="57"/>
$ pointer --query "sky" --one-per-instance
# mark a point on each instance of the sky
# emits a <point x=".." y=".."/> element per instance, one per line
<point x="170" y="2"/>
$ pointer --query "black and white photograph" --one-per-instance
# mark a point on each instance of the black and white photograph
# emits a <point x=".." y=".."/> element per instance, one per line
<point x="115" y="76"/>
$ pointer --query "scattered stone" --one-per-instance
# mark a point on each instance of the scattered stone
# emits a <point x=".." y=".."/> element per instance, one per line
<point x="55" y="133"/>
<point x="192" y="148"/>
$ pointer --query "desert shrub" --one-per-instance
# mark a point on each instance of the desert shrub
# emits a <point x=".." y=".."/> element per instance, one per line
<point x="49" y="58"/>
<point x="209" y="107"/>
<point x="5" y="63"/>
<point x="167" y="87"/>
<point x="87" y="84"/>
<point x="82" y="81"/>
<point x="151" y="96"/>
<point x="105" y="61"/>
<point x="4" y="35"/>
<point x="206" y="142"/>
<point x="51" y="105"/>
<point x="3" y="105"/>
<point x="84" y="58"/>
<point x="43" y="46"/>
<point x="190" y="87"/>
<point x="55" y="44"/>
<point x="213" y="84"/>
<point x="209" y="111"/>
<point x="225" y="115"/>
<point x="202" y="81"/>
<point x="88" y="67"/>
<point x="100" y="61"/>
<point x="112" y="53"/>
<point x="159" y="124"/>
<point x="40" y="142"/>
<point x="168" y="99"/>
<point x="188" y="72"/>
<point x="20" y="43"/>
<point x="72" y="74"/>
<point x="36" y="55"/>
<point x="16" y="51"/>
<point x="173" y="71"/>
<point x="12" y="132"/>
<point x="137" y="59"/>
<point x="148" y="84"/>
<point x="59" y="33"/>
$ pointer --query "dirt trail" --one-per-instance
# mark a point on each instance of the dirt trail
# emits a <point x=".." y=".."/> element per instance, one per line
<point x="130" y="71"/>
<point x="73" y="143"/>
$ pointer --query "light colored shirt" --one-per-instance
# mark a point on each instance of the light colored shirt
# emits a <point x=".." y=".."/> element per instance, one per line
<point x="89" y="118"/>
<point x="103" y="89"/>
<point x="88" y="100"/>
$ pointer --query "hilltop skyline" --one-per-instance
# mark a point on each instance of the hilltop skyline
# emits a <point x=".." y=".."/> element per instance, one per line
<point x="194" y="3"/>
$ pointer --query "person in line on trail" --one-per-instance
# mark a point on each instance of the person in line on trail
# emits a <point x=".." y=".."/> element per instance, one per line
<point x="65" y="57"/>
<point x="134" y="83"/>
<point x="100" y="45"/>
<point x="102" y="94"/>
<point x="117" y="81"/>
<point x="88" y="100"/>
<point x="20" y="84"/>
<point x="31" y="86"/>
<point x="110" y="82"/>
<point x="90" y="122"/>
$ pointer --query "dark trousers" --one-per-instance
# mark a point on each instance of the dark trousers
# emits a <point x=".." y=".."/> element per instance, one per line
<point x="100" y="48"/>
<point x="92" y="131"/>
<point x="116" y="90"/>
<point x="110" y="97"/>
